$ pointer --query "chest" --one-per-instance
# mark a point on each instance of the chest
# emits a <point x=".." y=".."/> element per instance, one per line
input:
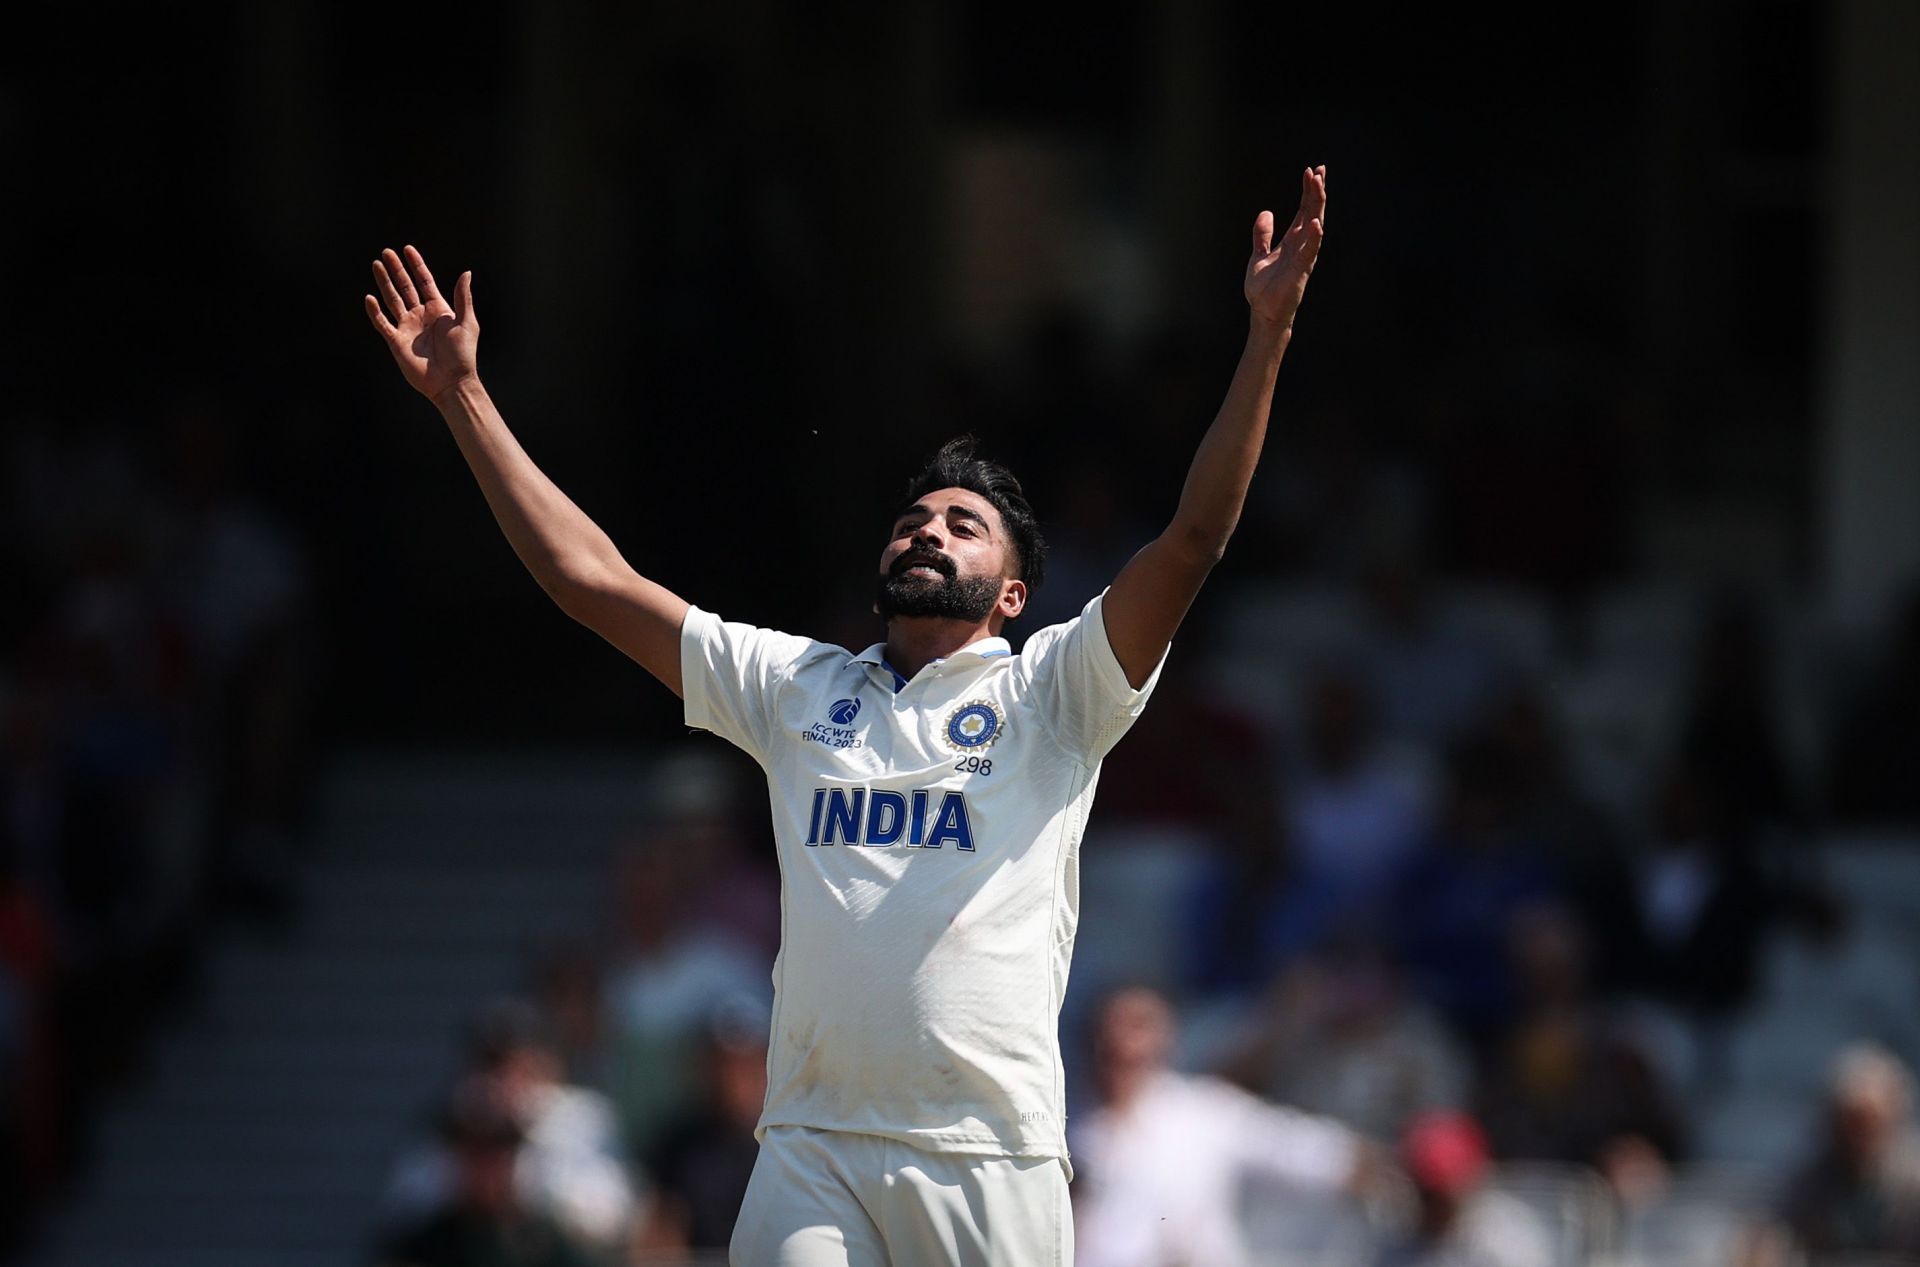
<point x="966" y="727"/>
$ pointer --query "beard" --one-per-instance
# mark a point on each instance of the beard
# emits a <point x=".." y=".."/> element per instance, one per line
<point x="947" y="597"/>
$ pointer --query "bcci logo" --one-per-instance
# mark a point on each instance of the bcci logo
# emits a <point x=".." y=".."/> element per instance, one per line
<point x="974" y="726"/>
<point x="843" y="712"/>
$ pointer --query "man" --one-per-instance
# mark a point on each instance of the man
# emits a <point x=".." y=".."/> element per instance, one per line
<point x="1458" y="1221"/>
<point x="484" y="1219"/>
<point x="1167" y="1156"/>
<point x="1859" y="1193"/>
<point x="929" y="795"/>
<point x="570" y="1163"/>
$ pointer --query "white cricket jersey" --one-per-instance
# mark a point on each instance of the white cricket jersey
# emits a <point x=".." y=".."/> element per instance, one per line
<point x="928" y="831"/>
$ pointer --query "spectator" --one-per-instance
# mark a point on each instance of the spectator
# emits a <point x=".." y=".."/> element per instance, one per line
<point x="484" y="1220"/>
<point x="1730" y="735"/>
<point x="1089" y="539"/>
<point x="1161" y="1160"/>
<point x="1458" y="900"/>
<point x="567" y="980"/>
<point x="1339" y="1036"/>
<point x="237" y="581"/>
<point x="1197" y="772"/>
<point x="1548" y="808"/>
<point x="1870" y="772"/>
<point x="1427" y="679"/>
<point x="1457" y="1221"/>
<point x="569" y="1165"/>
<point x="1566" y="1083"/>
<point x="705" y="1158"/>
<point x="1702" y="905"/>
<point x="672" y="969"/>
<point x="1356" y="811"/>
<point x="1859" y="1194"/>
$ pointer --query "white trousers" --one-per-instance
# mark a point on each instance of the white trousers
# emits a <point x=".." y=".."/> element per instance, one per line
<point x="840" y="1199"/>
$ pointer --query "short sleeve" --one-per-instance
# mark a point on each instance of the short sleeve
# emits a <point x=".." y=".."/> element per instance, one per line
<point x="1077" y="681"/>
<point x="729" y="675"/>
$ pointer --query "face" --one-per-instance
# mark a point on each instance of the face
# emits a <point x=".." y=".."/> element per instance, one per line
<point x="950" y="558"/>
<point x="1134" y="1031"/>
<point x="1863" y="1123"/>
<point x="484" y="1173"/>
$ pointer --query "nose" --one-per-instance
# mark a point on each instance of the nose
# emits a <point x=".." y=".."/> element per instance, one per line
<point x="928" y="533"/>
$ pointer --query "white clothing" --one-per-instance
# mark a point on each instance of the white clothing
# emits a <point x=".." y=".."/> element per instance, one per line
<point x="1354" y="831"/>
<point x="674" y="993"/>
<point x="569" y="1166"/>
<point x="834" y="1199"/>
<point x="928" y="833"/>
<point x="1163" y="1177"/>
<point x="1495" y="1230"/>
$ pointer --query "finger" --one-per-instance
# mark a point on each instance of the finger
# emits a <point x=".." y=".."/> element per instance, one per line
<point x="463" y="300"/>
<point x="400" y="278"/>
<point x="383" y="281"/>
<point x="1309" y="193"/>
<point x="378" y="317"/>
<point x="1263" y="233"/>
<point x="418" y="266"/>
<point x="1317" y="203"/>
<point x="1310" y="246"/>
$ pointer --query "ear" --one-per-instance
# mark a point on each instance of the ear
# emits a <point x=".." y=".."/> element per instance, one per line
<point x="1013" y="599"/>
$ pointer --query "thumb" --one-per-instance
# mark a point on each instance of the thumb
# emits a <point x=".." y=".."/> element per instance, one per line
<point x="463" y="300"/>
<point x="1263" y="233"/>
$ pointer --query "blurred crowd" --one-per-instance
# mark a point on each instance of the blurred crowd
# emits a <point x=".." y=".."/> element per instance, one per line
<point x="154" y="741"/>
<point x="1448" y="971"/>
<point x="1426" y="912"/>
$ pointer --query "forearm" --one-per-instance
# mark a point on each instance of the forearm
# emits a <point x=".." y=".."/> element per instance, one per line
<point x="1216" y="487"/>
<point x="556" y="540"/>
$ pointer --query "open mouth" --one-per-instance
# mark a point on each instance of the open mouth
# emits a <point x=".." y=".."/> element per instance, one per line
<point x="924" y="566"/>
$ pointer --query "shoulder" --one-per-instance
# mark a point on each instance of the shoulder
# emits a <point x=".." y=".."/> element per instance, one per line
<point x="1217" y="1093"/>
<point x="1044" y="640"/>
<point x="798" y="650"/>
<point x="1504" y="1230"/>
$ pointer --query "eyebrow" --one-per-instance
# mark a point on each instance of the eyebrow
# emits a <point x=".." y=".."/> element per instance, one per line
<point x="955" y="511"/>
<point x="963" y="512"/>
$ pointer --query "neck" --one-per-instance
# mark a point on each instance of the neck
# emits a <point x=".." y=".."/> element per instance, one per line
<point x="1123" y="1086"/>
<point x="913" y="642"/>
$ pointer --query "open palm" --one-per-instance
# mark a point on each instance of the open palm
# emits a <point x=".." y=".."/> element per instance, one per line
<point x="435" y="343"/>
<point x="1277" y="274"/>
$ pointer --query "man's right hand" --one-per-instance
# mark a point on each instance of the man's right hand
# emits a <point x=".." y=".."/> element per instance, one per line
<point x="436" y="345"/>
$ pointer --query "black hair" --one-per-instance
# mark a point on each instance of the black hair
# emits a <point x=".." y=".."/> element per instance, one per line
<point x="956" y="465"/>
<point x="503" y="1027"/>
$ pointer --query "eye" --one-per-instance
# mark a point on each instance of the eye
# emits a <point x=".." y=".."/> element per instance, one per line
<point x="963" y="529"/>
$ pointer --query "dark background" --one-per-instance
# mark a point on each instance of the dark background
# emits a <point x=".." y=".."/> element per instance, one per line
<point x="1611" y="336"/>
<point x="719" y="256"/>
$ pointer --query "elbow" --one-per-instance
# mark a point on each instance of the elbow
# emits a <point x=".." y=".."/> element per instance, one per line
<point x="1202" y="545"/>
<point x="571" y="593"/>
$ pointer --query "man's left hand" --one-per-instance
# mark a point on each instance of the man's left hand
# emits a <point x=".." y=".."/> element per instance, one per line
<point x="1277" y="274"/>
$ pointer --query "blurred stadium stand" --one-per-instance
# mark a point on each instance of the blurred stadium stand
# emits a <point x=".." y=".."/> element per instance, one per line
<point x="1616" y="490"/>
<point x="275" y="1109"/>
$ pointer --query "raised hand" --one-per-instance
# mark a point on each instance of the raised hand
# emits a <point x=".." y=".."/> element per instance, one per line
<point x="1277" y="274"/>
<point x="435" y="343"/>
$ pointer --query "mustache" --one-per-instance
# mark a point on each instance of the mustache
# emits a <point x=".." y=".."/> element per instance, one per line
<point x="924" y="558"/>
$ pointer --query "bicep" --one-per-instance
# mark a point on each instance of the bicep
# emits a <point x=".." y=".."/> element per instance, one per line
<point x="640" y="617"/>
<point x="1148" y="600"/>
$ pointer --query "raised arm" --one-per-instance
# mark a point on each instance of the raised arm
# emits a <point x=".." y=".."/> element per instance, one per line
<point x="435" y="344"/>
<point x="1151" y="595"/>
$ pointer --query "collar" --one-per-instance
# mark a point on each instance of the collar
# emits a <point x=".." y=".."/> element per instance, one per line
<point x="980" y="649"/>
